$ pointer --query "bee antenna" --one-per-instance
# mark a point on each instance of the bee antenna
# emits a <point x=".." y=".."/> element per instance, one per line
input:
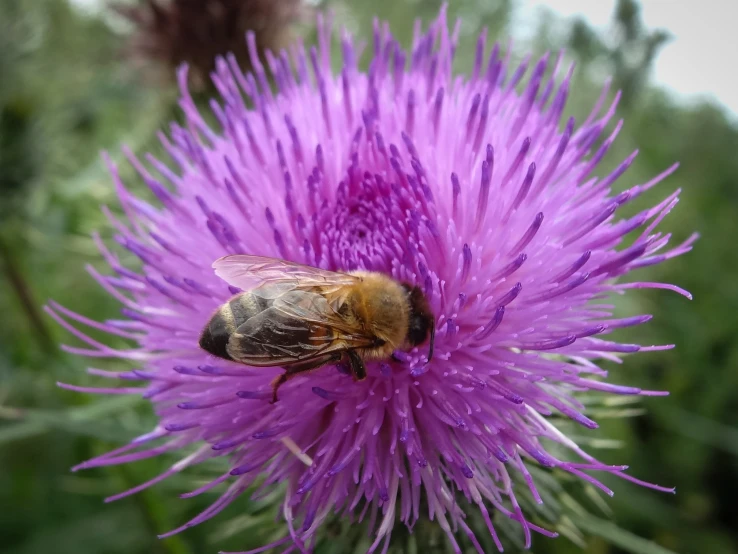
<point x="432" y="339"/>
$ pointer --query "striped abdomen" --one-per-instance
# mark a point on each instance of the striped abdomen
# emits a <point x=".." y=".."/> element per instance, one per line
<point x="232" y="314"/>
<point x="263" y="332"/>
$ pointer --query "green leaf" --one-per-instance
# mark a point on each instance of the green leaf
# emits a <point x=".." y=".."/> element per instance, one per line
<point x="20" y="431"/>
<point x="617" y="536"/>
<point x="91" y="534"/>
<point x="84" y="420"/>
<point x="701" y="429"/>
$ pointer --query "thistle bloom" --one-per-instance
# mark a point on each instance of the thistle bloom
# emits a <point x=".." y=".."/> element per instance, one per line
<point x="458" y="184"/>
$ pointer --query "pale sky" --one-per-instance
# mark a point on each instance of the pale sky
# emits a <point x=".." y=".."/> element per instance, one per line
<point x="701" y="59"/>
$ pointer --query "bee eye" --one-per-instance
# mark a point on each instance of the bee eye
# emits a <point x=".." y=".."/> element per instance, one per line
<point x="418" y="329"/>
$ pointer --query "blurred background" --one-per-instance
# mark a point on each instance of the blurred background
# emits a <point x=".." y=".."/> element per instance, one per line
<point x="78" y="77"/>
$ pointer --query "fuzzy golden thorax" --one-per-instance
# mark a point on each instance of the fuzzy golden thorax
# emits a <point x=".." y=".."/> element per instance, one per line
<point x="380" y="306"/>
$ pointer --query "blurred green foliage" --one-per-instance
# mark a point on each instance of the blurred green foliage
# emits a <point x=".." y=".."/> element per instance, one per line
<point x="66" y="93"/>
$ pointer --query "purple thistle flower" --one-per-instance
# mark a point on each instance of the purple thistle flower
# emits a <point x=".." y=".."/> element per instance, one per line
<point x="457" y="184"/>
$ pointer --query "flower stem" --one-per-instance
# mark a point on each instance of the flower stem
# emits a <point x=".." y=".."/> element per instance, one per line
<point x="23" y="291"/>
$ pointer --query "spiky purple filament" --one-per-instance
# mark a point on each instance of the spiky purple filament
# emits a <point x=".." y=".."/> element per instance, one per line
<point x="460" y="186"/>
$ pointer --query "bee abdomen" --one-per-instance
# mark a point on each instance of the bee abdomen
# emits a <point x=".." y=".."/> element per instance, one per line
<point x="245" y="306"/>
<point x="214" y="338"/>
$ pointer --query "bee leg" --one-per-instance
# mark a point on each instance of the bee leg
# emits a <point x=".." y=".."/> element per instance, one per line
<point x="358" y="369"/>
<point x="296" y="369"/>
<point x="397" y="356"/>
<point x="278" y="382"/>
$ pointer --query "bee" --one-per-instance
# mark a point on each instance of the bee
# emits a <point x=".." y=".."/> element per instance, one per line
<point x="302" y="318"/>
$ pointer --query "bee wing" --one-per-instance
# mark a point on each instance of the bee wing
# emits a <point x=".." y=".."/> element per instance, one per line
<point x="270" y="277"/>
<point x="272" y="339"/>
<point x="315" y="309"/>
<point x="299" y="326"/>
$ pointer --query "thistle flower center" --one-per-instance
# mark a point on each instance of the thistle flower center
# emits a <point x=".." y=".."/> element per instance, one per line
<point x="357" y="229"/>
